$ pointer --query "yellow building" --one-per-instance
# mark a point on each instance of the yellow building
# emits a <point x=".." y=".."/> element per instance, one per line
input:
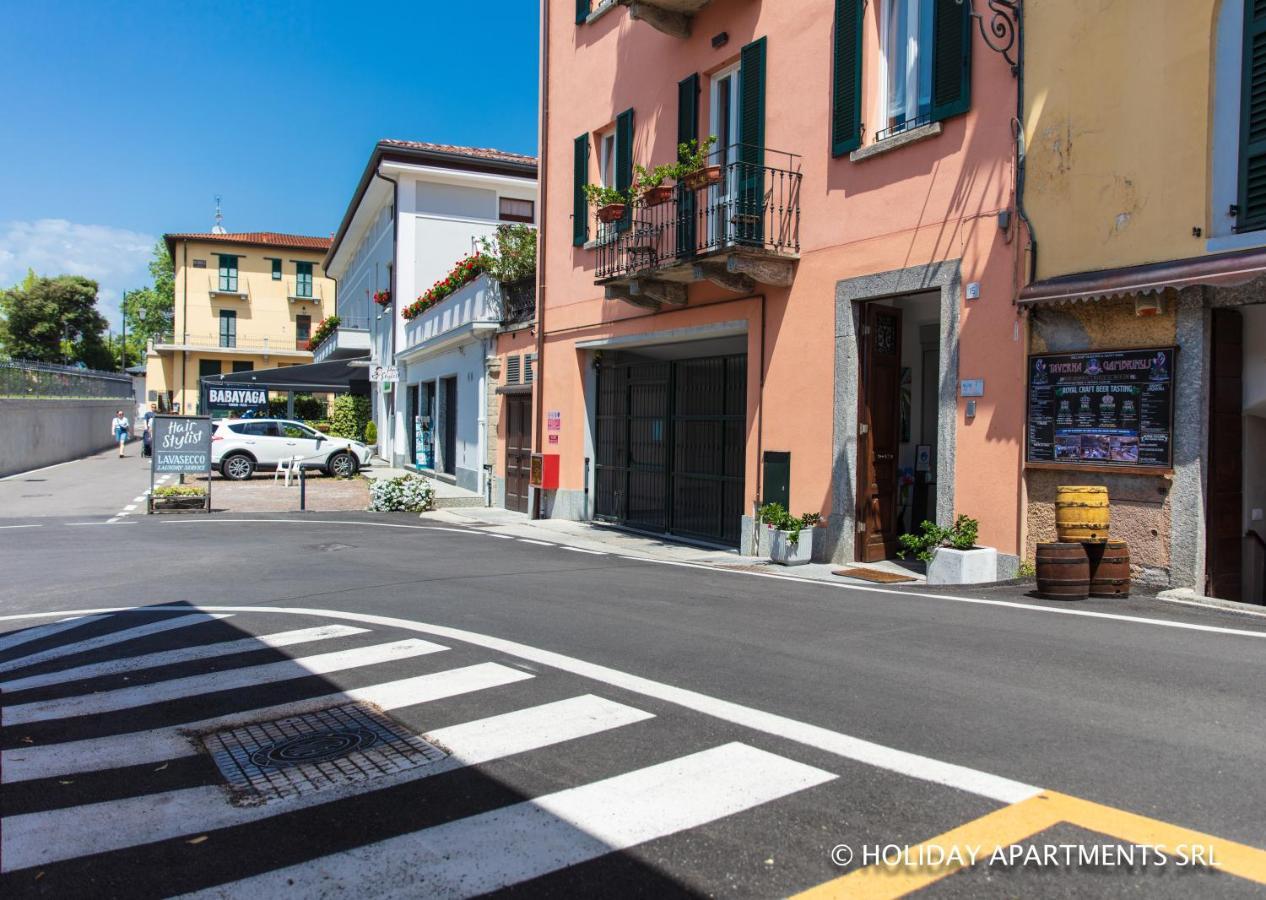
<point x="243" y="302"/>
<point x="1144" y="179"/>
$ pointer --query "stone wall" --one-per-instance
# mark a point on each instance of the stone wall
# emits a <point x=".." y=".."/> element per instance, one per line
<point x="38" y="433"/>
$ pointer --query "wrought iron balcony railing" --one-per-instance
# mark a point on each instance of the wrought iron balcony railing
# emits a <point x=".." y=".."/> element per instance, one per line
<point x="518" y="300"/>
<point x="751" y="207"/>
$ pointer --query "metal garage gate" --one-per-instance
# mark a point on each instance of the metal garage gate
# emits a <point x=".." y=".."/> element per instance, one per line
<point x="670" y="446"/>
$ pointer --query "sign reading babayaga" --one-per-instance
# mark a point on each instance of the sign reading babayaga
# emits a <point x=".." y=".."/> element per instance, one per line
<point x="1114" y="408"/>
<point x="237" y="398"/>
<point x="182" y="444"/>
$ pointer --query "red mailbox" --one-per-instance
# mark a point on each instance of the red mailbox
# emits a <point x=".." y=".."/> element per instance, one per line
<point x="545" y="471"/>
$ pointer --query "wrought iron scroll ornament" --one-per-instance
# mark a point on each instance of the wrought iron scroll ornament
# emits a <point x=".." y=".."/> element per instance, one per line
<point x="1000" y="31"/>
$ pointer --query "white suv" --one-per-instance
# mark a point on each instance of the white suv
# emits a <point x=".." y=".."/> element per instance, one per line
<point x="240" y="446"/>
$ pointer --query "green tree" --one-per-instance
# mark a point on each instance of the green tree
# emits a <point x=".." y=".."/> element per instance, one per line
<point x="54" y="320"/>
<point x="148" y="310"/>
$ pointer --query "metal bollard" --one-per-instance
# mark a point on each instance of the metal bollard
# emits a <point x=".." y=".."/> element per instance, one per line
<point x="303" y="488"/>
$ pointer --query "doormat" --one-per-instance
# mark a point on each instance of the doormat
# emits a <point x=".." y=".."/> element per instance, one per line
<point x="875" y="575"/>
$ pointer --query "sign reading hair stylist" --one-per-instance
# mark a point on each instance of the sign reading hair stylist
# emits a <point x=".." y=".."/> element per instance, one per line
<point x="1114" y="408"/>
<point x="182" y="444"/>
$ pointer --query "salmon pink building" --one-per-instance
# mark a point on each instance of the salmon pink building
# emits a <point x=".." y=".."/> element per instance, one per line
<point x="821" y="311"/>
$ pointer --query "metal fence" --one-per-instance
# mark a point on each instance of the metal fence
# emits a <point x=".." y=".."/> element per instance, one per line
<point x="24" y="378"/>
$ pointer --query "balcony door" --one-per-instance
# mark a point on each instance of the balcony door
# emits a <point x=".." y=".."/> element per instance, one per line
<point x="725" y="113"/>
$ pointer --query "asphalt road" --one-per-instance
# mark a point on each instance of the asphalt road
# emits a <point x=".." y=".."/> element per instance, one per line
<point x="597" y="724"/>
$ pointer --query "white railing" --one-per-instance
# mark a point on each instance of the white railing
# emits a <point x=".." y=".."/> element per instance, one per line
<point x="477" y="303"/>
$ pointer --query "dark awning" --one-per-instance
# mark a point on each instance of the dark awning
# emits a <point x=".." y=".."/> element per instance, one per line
<point x="1216" y="270"/>
<point x="333" y="376"/>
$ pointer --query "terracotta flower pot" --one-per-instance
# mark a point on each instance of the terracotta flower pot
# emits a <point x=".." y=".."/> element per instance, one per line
<point x="701" y="178"/>
<point x="612" y="212"/>
<point x="657" y="195"/>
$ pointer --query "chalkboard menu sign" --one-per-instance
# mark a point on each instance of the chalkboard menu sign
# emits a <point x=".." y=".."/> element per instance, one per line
<point x="1114" y="408"/>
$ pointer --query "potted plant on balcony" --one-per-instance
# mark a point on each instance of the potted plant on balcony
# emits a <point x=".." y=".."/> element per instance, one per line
<point x="382" y="298"/>
<point x="610" y="202"/>
<point x="323" y="330"/>
<point x="951" y="553"/>
<point x="692" y="169"/>
<point x="792" y="542"/>
<point x="649" y="185"/>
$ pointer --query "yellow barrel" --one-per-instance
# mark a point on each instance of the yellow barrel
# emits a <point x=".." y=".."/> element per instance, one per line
<point x="1081" y="513"/>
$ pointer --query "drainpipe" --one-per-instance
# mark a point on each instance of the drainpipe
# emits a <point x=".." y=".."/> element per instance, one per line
<point x="760" y="435"/>
<point x="395" y="269"/>
<point x="542" y="181"/>
<point x="1021" y="151"/>
<point x="184" y="334"/>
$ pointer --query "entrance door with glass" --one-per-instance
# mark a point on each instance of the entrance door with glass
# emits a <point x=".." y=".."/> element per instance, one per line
<point x="878" y="438"/>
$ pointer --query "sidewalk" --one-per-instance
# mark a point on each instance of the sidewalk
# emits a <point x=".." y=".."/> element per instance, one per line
<point x="605" y="539"/>
<point x="447" y="496"/>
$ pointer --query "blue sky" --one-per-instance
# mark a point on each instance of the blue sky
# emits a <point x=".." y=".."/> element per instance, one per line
<point x="123" y="120"/>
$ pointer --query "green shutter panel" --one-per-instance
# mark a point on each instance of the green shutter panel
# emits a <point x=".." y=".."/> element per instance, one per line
<point x="582" y="11"/>
<point x="846" y="84"/>
<point x="580" y="206"/>
<point x="687" y="131"/>
<point x="1252" y="188"/>
<point x="749" y="216"/>
<point x="624" y="163"/>
<point x="951" y="58"/>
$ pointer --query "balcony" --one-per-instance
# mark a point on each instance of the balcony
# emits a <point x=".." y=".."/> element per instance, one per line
<point x="479" y="309"/>
<point x="349" y="339"/>
<point x="227" y="346"/>
<point x="307" y="292"/>
<point x="672" y="17"/>
<point x="238" y="288"/>
<point x="742" y="231"/>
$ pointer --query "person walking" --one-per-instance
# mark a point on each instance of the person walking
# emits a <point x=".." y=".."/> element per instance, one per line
<point x="120" y="426"/>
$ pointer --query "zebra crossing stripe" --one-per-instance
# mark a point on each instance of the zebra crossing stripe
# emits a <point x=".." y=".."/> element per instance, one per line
<point x="47" y="837"/>
<point x="13" y="639"/>
<point x="493" y="850"/>
<point x="233" y="679"/>
<point x="162" y="744"/>
<point x="184" y="654"/>
<point x="114" y="637"/>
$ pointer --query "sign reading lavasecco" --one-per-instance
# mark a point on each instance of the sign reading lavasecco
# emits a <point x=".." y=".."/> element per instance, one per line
<point x="182" y="444"/>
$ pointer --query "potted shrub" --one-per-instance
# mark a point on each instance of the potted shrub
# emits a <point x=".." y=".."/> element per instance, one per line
<point x="792" y="542"/>
<point x="692" y="169"/>
<point x="650" y="185"/>
<point x="951" y="553"/>
<point x="382" y="298"/>
<point x="609" y="202"/>
<point x="179" y="496"/>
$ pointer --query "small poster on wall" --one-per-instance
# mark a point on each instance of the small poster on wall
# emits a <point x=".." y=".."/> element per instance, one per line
<point x="1111" y="408"/>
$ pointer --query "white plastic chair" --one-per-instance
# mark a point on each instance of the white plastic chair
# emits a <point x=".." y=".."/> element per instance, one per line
<point x="289" y="465"/>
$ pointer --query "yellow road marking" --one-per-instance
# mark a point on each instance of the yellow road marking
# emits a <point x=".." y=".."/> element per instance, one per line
<point x="1022" y="820"/>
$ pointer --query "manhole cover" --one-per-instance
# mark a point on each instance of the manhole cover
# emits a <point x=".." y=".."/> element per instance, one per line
<point x="287" y="757"/>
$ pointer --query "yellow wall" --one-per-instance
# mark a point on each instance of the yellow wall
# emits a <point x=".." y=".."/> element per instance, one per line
<point x="265" y="321"/>
<point x="1117" y="119"/>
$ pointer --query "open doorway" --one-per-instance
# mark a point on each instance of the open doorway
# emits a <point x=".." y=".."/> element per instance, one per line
<point x="898" y="420"/>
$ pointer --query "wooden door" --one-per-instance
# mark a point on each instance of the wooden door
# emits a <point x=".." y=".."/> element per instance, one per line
<point x="518" y="450"/>
<point x="878" y="437"/>
<point x="1224" y="535"/>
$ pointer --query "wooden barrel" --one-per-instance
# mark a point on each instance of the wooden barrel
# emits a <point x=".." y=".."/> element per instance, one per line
<point x="1063" y="571"/>
<point x="1081" y="513"/>
<point x="1109" y="569"/>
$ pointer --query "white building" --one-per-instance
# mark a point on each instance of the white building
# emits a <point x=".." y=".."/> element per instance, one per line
<point x="418" y="210"/>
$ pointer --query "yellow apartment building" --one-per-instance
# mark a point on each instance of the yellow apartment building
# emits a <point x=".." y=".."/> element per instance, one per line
<point x="243" y="302"/>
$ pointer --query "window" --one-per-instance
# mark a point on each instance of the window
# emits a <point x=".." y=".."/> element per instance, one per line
<point x="295" y="430"/>
<point x="906" y="31"/>
<point x="514" y="210"/>
<point x="228" y="328"/>
<point x="606" y="158"/>
<point x="276" y="269"/>
<point x="303" y="279"/>
<point x="256" y="429"/>
<point x="243" y="365"/>
<point x="228" y="273"/>
<point x="208" y="367"/>
<point x="303" y="328"/>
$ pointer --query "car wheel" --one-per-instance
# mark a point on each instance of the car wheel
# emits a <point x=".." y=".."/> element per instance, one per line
<point x="341" y="465"/>
<point x="237" y="467"/>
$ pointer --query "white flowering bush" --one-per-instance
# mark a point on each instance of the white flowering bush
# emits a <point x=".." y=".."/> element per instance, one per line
<point x="408" y="493"/>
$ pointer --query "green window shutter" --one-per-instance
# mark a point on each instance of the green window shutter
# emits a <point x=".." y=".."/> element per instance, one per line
<point x="846" y="84"/>
<point x="582" y="11"/>
<point x="580" y="206"/>
<point x="749" y="221"/>
<point x="624" y="162"/>
<point x="276" y="270"/>
<point x="687" y="131"/>
<point x="303" y="279"/>
<point x="951" y="58"/>
<point x="1251" y="214"/>
<point x="228" y="273"/>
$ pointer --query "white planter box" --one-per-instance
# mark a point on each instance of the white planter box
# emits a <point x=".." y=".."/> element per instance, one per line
<point x="785" y="553"/>
<point x="975" y="566"/>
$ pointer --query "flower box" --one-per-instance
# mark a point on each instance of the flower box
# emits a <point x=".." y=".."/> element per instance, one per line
<point x="975" y="566"/>
<point x="657" y="195"/>
<point x="612" y="212"/>
<point x="702" y="178"/>
<point x="174" y="503"/>
<point x="382" y="298"/>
